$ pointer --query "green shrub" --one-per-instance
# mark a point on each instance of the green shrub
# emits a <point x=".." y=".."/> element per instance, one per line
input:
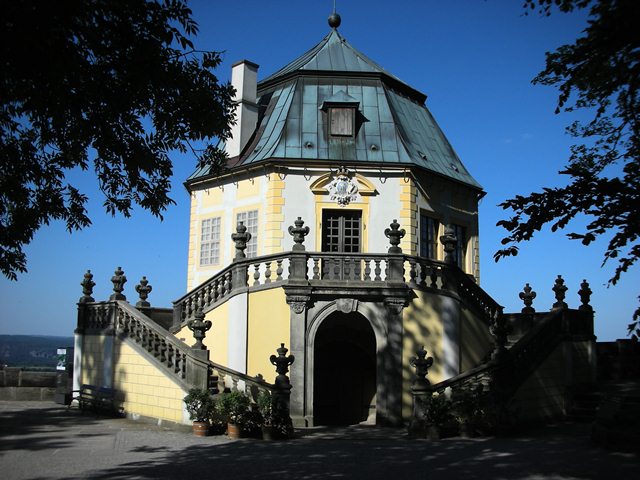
<point x="200" y="405"/>
<point x="234" y="406"/>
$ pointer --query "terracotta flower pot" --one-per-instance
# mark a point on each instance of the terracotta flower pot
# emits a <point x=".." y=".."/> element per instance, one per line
<point x="233" y="430"/>
<point x="269" y="432"/>
<point x="433" y="432"/>
<point x="201" y="429"/>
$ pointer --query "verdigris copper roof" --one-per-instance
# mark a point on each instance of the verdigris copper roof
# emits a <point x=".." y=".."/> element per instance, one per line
<point x="332" y="54"/>
<point x="393" y="128"/>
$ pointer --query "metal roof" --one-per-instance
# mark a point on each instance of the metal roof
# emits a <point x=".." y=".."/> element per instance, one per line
<point x="332" y="54"/>
<point x="394" y="127"/>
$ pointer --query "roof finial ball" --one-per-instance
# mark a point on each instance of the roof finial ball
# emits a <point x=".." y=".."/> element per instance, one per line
<point x="334" y="20"/>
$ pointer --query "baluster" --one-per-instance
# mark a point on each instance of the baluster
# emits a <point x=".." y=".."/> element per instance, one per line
<point x="151" y="341"/>
<point x="423" y="274"/>
<point x="316" y="269"/>
<point x="377" y="271"/>
<point x="337" y="267"/>
<point x="434" y="277"/>
<point x="207" y="294"/>
<point x="256" y="274"/>
<point x="141" y="338"/>
<point x="189" y="307"/>
<point x="267" y="272"/>
<point x="223" y="285"/>
<point x="346" y="269"/>
<point x="176" y="363"/>
<point x="163" y="350"/>
<point x="222" y="383"/>
<point x="278" y="270"/>
<point x="227" y="281"/>
<point x="183" y="369"/>
<point x="357" y="268"/>
<point x="169" y="355"/>
<point x="367" y="270"/>
<point x="214" y="290"/>
<point x="412" y="271"/>
<point x="234" y="381"/>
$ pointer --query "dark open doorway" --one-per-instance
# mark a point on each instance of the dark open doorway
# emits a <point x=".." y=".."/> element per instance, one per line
<point x="344" y="370"/>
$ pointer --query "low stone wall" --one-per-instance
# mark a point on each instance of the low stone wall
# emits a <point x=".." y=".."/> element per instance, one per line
<point x="24" y="385"/>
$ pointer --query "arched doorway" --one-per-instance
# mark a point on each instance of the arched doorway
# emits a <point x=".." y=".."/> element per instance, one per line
<point x="344" y="384"/>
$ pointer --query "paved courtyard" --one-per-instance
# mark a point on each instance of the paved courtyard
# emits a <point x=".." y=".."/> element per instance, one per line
<point x="42" y="440"/>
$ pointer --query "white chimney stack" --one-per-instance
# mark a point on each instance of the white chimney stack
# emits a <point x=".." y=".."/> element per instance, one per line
<point x="244" y="78"/>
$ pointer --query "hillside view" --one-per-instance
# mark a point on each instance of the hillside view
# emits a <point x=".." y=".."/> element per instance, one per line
<point x="31" y="351"/>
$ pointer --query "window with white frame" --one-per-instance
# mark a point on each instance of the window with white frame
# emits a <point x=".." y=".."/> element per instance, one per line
<point x="210" y="241"/>
<point x="428" y="237"/>
<point x="250" y="220"/>
<point x="461" y="245"/>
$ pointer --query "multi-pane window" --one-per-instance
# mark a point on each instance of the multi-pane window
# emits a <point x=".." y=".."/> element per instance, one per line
<point x="210" y="241"/>
<point x="428" y="237"/>
<point x="341" y="230"/>
<point x="341" y="121"/>
<point x="461" y="245"/>
<point x="250" y="220"/>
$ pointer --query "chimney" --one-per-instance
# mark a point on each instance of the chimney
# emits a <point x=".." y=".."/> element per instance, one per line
<point x="244" y="78"/>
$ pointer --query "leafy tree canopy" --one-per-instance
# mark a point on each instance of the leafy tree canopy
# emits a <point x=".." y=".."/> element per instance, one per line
<point x="113" y="85"/>
<point x="598" y="74"/>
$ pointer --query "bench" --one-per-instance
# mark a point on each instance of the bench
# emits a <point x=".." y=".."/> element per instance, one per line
<point x="96" y="399"/>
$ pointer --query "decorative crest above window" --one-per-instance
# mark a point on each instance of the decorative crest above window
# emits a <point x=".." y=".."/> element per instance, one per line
<point x="342" y="189"/>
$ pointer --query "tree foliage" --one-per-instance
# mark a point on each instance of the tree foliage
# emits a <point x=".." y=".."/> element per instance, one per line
<point x="600" y="75"/>
<point x="113" y="85"/>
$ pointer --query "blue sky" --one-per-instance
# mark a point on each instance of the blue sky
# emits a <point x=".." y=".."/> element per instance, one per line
<point x="474" y="60"/>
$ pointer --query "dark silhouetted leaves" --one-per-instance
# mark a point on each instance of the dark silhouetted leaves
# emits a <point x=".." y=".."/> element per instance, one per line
<point x="109" y="84"/>
<point x="600" y="72"/>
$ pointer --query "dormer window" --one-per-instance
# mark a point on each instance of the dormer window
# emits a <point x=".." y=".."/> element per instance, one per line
<point x="341" y="110"/>
<point x="342" y="121"/>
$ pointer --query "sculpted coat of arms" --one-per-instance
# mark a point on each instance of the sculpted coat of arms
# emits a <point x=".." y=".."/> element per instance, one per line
<point x="343" y="189"/>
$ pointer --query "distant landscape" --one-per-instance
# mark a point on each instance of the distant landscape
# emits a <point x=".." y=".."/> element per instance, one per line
<point x="31" y="351"/>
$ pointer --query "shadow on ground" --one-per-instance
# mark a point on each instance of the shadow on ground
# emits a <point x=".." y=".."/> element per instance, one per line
<point x="559" y="451"/>
<point x="372" y="453"/>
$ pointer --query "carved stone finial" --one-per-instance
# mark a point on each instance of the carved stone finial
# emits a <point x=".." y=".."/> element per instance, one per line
<point x="241" y="238"/>
<point x="422" y="364"/>
<point x="585" y="297"/>
<point x="560" y="290"/>
<point x="527" y="295"/>
<point x="394" y="234"/>
<point x="282" y="362"/>
<point x="298" y="232"/>
<point x="143" y="289"/>
<point x="118" y="281"/>
<point x="449" y="241"/>
<point x="87" y="284"/>
<point x="199" y="327"/>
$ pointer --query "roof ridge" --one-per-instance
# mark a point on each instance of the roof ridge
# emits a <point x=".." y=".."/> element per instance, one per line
<point x="331" y="63"/>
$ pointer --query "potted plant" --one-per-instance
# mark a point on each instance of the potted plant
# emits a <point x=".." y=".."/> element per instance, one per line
<point x="233" y="406"/>
<point x="467" y="405"/>
<point x="265" y="407"/>
<point x="438" y="414"/>
<point x="200" y="406"/>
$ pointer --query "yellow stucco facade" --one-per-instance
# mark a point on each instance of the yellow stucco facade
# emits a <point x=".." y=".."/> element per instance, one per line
<point x="268" y="327"/>
<point x="422" y="326"/>
<point x="147" y="389"/>
<point x="92" y="367"/>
